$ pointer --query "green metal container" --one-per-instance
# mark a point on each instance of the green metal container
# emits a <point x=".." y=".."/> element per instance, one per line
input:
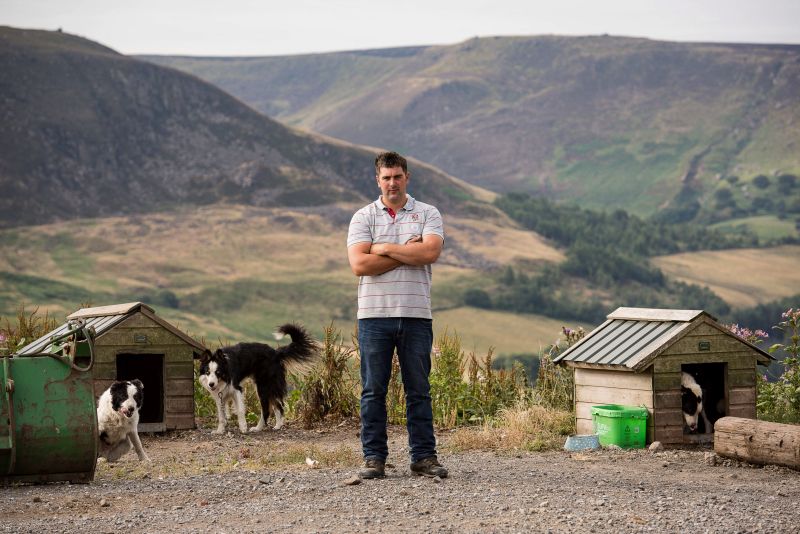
<point x="48" y="419"/>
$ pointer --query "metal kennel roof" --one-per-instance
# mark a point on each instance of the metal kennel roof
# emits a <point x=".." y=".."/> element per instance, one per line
<point x="102" y="319"/>
<point x="631" y="338"/>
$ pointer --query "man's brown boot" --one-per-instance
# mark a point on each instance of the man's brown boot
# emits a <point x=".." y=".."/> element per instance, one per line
<point x="429" y="467"/>
<point x="373" y="468"/>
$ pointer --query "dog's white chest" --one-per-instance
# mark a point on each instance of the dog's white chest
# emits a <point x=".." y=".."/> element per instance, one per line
<point x="116" y="426"/>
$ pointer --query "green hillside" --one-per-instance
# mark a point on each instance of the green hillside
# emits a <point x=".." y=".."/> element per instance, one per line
<point x="608" y="122"/>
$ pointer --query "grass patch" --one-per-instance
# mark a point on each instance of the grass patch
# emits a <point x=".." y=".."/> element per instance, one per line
<point x="622" y="178"/>
<point x="66" y="255"/>
<point x="766" y="227"/>
<point x="15" y="288"/>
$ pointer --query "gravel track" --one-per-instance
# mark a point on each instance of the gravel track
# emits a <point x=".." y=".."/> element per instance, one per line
<point x="603" y="491"/>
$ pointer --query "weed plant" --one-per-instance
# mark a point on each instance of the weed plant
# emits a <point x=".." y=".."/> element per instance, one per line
<point x="25" y="328"/>
<point x="555" y="385"/>
<point x="329" y="389"/>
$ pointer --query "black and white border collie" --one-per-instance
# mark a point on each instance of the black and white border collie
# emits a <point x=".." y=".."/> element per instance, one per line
<point x="694" y="414"/>
<point x="223" y="372"/>
<point x="118" y="420"/>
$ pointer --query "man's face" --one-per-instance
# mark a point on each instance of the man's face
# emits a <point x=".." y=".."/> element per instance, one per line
<point x="393" y="183"/>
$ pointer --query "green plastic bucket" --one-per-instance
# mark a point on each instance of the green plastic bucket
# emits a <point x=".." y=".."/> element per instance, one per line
<point x="624" y="426"/>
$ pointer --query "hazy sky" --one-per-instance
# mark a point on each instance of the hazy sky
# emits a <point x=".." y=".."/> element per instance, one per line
<point x="251" y="27"/>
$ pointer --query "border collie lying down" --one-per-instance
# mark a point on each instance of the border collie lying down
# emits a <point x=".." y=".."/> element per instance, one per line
<point x="118" y="419"/>
<point x="223" y="372"/>
<point x="694" y="414"/>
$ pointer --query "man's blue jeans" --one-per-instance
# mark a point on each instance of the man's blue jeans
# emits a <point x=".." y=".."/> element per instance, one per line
<point x="377" y="340"/>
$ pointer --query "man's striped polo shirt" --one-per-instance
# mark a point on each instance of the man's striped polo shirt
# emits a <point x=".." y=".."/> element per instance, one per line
<point x="406" y="290"/>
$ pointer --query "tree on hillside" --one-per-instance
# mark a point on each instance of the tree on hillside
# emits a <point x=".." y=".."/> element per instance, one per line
<point x="786" y="183"/>
<point x="724" y="197"/>
<point x="761" y="181"/>
<point x="477" y="298"/>
<point x="762" y="204"/>
<point x="723" y="194"/>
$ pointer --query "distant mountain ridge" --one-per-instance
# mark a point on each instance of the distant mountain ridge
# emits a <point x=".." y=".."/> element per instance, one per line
<point x="610" y="122"/>
<point x="88" y="132"/>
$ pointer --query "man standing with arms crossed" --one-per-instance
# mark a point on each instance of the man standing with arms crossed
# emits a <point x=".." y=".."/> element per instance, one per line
<point x="391" y="245"/>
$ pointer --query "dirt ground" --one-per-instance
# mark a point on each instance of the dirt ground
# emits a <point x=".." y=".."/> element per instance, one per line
<point x="198" y="482"/>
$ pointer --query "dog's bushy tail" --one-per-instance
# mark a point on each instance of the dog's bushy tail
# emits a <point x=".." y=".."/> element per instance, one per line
<point x="302" y="349"/>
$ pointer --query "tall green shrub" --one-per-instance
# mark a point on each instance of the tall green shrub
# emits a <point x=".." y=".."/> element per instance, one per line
<point x="466" y="391"/>
<point x="779" y="401"/>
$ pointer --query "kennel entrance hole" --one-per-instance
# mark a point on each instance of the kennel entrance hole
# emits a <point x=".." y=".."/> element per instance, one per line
<point x="713" y="380"/>
<point x="149" y="368"/>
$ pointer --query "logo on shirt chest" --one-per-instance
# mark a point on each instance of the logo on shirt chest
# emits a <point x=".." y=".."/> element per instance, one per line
<point x="415" y="217"/>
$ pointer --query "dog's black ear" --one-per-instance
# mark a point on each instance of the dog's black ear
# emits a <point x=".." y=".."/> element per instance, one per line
<point x="204" y="356"/>
<point x="138" y="383"/>
<point x="218" y="354"/>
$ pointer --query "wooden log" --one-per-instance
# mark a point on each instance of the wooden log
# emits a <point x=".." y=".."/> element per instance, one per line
<point x="758" y="442"/>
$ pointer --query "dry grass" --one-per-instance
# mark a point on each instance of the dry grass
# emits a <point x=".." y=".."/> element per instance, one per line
<point x="525" y="426"/>
<point x="503" y="245"/>
<point x="192" y="249"/>
<point x="743" y="277"/>
<point x="181" y="250"/>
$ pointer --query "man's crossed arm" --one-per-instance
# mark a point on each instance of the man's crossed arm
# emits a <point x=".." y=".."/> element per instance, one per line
<point x="367" y="259"/>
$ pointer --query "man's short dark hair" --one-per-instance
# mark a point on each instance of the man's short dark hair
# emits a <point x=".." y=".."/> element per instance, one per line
<point x="389" y="160"/>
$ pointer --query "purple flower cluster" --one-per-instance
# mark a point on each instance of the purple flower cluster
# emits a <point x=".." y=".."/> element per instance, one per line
<point x="791" y="315"/>
<point x="748" y="335"/>
<point x="572" y="335"/>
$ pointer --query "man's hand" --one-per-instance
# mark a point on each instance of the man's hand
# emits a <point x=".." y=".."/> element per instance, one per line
<point x="382" y="249"/>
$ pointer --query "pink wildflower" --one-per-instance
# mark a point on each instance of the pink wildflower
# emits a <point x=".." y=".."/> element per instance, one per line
<point x="745" y="333"/>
